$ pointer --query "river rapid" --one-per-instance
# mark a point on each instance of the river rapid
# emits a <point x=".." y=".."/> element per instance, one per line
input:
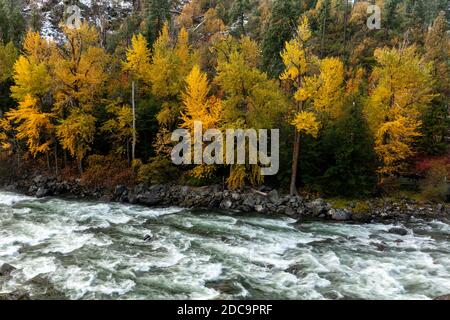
<point x="91" y="250"/>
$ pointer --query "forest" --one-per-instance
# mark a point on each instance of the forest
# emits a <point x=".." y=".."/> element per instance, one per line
<point x="361" y="111"/>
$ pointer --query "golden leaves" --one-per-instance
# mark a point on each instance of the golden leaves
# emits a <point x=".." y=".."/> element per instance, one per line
<point x="402" y="89"/>
<point x="33" y="125"/>
<point x="306" y="122"/>
<point x="196" y="103"/>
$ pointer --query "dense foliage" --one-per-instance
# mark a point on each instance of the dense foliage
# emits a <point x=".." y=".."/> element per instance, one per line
<point x="355" y="107"/>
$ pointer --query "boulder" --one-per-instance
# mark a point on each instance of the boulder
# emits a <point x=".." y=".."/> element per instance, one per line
<point x="318" y="207"/>
<point x="361" y="217"/>
<point x="260" y="208"/>
<point x="398" y="231"/>
<point x="119" y="191"/>
<point x="43" y="192"/>
<point x="6" y="270"/>
<point x="289" y="212"/>
<point x="341" y="215"/>
<point x="14" y="296"/>
<point x="443" y="298"/>
<point x="40" y="180"/>
<point x="273" y="196"/>
<point x="150" y="198"/>
<point x="226" y="204"/>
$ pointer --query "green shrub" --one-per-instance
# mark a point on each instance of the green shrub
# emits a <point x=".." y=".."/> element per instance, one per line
<point x="361" y="207"/>
<point x="159" y="170"/>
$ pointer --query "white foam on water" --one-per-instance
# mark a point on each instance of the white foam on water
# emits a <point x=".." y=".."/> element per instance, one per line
<point x="97" y="250"/>
<point x="8" y="198"/>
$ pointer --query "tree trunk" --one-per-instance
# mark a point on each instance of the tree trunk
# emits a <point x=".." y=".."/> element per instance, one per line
<point x="80" y="165"/>
<point x="345" y="26"/>
<point x="56" y="160"/>
<point x="133" y="147"/>
<point x="48" y="161"/>
<point x="324" y="27"/>
<point x="295" y="161"/>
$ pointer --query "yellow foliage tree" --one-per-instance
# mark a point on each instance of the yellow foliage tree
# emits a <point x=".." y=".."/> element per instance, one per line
<point x="402" y="89"/>
<point x="80" y="74"/>
<point x="199" y="107"/>
<point x="76" y="134"/>
<point x="32" y="71"/>
<point x="171" y="63"/>
<point x="251" y="99"/>
<point x="138" y="64"/>
<point x="299" y="61"/>
<point x="33" y="126"/>
<point x="120" y="127"/>
<point x="33" y="121"/>
<point x="79" y="69"/>
<point x="138" y="58"/>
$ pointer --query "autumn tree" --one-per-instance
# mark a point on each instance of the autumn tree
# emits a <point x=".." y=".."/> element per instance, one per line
<point x="299" y="62"/>
<point x="401" y="90"/>
<point x="33" y="126"/>
<point x="138" y="65"/>
<point x="251" y="100"/>
<point x="199" y="107"/>
<point x="120" y="128"/>
<point x="172" y="61"/>
<point x="33" y="120"/>
<point x="80" y="75"/>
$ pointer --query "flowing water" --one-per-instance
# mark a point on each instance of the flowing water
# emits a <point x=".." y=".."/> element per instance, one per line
<point x="88" y="250"/>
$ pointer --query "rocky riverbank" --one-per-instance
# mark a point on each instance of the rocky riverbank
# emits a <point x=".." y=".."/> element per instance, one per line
<point x="264" y="201"/>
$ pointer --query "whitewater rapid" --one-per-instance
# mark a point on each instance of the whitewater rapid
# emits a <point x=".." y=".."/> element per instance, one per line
<point x="89" y="250"/>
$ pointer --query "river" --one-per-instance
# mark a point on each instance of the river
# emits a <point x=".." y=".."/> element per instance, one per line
<point x="92" y="250"/>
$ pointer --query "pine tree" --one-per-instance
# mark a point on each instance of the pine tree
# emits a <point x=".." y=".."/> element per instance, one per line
<point x="436" y="122"/>
<point x="157" y="14"/>
<point x="282" y="23"/>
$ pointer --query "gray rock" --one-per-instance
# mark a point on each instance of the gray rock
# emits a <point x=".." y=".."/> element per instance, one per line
<point x="132" y="198"/>
<point x="40" y="180"/>
<point x="341" y="215"/>
<point x="260" y="208"/>
<point x="6" y="270"/>
<point x="249" y="201"/>
<point x="226" y="204"/>
<point x="398" y="231"/>
<point x="295" y="270"/>
<point x="14" y="296"/>
<point x="150" y="199"/>
<point x="236" y="196"/>
<point x="42" y="192"/>
<point x="273" y="196"/>
<point x="289" y="212"/>
<point x="119" y="191"/>
<point x="443" y="298"/>
<point x="318" y="207"/>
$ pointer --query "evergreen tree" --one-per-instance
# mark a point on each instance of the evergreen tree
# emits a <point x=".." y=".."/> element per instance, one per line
<point x="157" y="13"/>
<point x="282" y="25"/>
<point x="12" y="22"/>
